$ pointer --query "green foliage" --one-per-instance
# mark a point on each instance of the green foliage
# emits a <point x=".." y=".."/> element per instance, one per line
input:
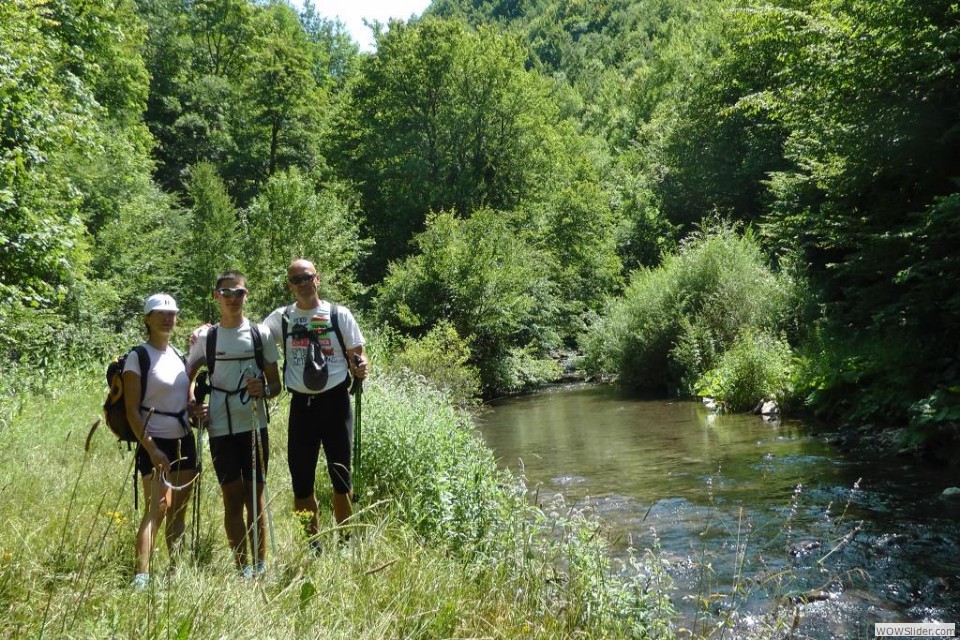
<point x="139" y="252"/>
<point x="45" y="111"/>
<point x="756" y="367"/>
<point x="284" y="103"/>
<point x="442" y="358"/>
<point x="213" y="243"/>
<point x="480" y="276"/>
<point x="290" y="219"/>
<point x="674" y="321"/>
<point x="442" y="118"/>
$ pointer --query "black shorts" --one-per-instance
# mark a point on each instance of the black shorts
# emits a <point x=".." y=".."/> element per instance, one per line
<point x="320" y="420"/>
<point x="233" y="456"/>
<point x="173" y="448"/>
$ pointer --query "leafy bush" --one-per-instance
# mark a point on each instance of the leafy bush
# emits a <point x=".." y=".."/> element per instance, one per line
<point x="673" y="322"/>
<point x="441" y="358"/>
<point x="290" y="218"/>
<point x="483" y="279"/>
<point x="518" y="370"/>
<point x="755" y="368"/>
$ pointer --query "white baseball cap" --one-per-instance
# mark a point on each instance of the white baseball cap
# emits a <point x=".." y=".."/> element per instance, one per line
<point x="159" y="302"/>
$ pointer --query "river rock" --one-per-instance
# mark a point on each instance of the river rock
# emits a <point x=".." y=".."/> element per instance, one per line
<point x="951" y="493"/>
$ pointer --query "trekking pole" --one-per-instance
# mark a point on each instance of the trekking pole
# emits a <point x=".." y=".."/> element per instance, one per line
<point x="258" y="457"/>
<point x="255" y="507"/>
<point x="200" y="393"/>
<point x="356" y="389"/>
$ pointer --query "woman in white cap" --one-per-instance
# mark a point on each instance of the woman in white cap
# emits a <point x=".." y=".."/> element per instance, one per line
<point x="155" y="389"/>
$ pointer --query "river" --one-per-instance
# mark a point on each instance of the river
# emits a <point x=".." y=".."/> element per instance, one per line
<point x="745" y="511"/>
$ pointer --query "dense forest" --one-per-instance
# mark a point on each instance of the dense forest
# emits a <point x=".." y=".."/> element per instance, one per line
<point x="741" y="199"/>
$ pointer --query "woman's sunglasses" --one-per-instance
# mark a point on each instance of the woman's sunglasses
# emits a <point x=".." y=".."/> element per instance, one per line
<point x="301" y="278"/>
<point x="239" y="292"/>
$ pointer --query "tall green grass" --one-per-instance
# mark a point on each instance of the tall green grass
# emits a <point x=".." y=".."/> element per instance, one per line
<point x="444" y="544"/>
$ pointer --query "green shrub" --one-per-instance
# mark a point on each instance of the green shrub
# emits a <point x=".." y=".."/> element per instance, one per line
<point x="484" y="279"/>
<point x="755" y="368"/>
<point x="441" y="357"/>
<point x="675" y="321"/>
<point x="518" y="370"/>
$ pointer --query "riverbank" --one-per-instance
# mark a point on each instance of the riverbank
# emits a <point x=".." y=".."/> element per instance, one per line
<point x="444" y="546"/>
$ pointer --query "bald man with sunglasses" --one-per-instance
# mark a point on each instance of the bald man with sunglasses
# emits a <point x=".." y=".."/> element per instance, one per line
<point x="319" y="417"/>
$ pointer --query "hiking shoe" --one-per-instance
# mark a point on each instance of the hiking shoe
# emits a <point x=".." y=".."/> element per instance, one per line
<point x="140" y="581"/>
<point x="255" y="571"/>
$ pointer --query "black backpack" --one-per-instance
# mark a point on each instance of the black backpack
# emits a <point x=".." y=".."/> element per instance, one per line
<point x="114" y="407"/>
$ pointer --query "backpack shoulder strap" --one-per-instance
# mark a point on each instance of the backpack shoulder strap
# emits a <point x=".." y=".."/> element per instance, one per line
<point x="257" y="344"/>
<point x="211" y="354"/>
<point x="144" y="357"/>
<point x="284" y="332"/>
<point x="335" y="322"/>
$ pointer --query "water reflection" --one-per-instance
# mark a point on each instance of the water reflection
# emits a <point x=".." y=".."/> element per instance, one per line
<point x="714" y="487"/>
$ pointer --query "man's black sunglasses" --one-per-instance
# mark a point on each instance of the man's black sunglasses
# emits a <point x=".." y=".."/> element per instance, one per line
<point x="239" y="292"/>
<point x="301" y="278"/>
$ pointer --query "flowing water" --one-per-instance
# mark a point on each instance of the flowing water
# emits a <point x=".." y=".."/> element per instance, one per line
<point x="747" y="512"/>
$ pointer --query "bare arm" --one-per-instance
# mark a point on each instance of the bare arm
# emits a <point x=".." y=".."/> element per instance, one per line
<point x="132" y="402"/>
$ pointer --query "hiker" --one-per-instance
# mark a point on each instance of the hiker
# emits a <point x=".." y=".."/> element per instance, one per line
<point x="238" y="355"/>
<point x="320" y="414"/>
<point x="166" y="452"/>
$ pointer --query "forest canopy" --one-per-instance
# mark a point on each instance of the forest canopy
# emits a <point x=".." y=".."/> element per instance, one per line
<point x="516" y="171"/>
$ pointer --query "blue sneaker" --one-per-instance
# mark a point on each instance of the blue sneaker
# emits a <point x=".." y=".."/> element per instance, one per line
<point x="140" y="581"/>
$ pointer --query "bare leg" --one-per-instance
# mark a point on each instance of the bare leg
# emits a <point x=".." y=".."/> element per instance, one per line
<point x="153" y="514"/>
<point x="342" y="507"/>
<point x="176" y="520"/>
<point x="261" y="520"/>
<point x="234" y="498"/>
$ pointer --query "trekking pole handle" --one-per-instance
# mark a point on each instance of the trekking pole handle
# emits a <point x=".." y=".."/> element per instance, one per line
<point x="357" y="384"/>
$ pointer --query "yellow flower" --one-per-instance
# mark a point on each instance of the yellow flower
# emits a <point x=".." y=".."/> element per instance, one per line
<point x="117" y="517"/>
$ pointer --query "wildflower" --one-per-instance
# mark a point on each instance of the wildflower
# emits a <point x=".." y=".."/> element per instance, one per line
<point x="117" y="517"/>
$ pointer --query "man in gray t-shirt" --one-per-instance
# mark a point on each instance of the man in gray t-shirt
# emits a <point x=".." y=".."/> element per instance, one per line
<point x="236" y="413"/>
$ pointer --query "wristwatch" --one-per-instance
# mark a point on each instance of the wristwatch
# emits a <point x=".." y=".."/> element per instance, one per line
<point x="266" y="391"/>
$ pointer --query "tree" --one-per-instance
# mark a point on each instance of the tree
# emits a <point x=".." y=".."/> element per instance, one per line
<point x="442" y="118"/>
<point x="213" y="242"/>
<point x="284" y="102"/>
<point x="47" y="113"/>
<point x="480" y="276"/>
<point x="291" y="219"/>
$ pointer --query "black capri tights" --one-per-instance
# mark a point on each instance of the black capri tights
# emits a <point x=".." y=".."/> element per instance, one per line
<point x="320" y="420"/>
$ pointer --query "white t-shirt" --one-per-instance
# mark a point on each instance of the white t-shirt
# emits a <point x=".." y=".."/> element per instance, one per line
<point x="167" y="388"/>
<point x="317" y="319"/>
<point x="236" y="361"/>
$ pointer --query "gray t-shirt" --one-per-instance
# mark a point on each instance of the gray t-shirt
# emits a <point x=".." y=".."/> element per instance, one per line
<point x="235" y="362"/>
<point x="317" y="319"/>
